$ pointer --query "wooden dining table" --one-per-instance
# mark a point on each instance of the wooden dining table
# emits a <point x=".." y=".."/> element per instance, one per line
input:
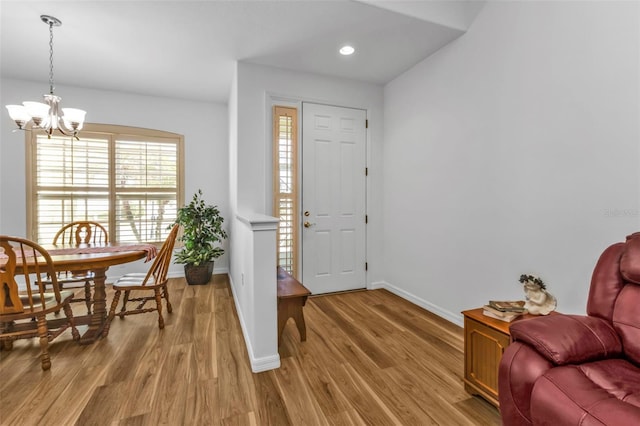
<point x="97" y="258"/>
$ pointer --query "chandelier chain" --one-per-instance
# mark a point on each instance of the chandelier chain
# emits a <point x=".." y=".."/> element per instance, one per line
<point x="51" y="57"/>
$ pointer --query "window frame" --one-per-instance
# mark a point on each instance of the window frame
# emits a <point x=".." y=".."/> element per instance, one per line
<point x="111" y="132"/>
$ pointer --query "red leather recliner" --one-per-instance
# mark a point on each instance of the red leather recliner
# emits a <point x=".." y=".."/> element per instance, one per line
<point x="580" y="370"/>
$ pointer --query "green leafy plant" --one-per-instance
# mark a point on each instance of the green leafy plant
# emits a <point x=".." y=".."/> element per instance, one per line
<point x="202" y="229"/>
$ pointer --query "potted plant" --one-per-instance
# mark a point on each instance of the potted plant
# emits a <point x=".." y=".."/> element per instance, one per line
<point x="202" y="229"/>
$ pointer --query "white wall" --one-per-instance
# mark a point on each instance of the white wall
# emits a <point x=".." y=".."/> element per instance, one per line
<point x="233" y="143"/>
<point x="255" y="289"/>
<point x="513" y="150"/>
<point x="204" y="126"/>
<point x="256" y="85"/>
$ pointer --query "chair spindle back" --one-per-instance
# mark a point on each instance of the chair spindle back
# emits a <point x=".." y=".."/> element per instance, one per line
<point x="32" y="263"/>
<point x="82" y="232"/>
<point x="160" y="267"/>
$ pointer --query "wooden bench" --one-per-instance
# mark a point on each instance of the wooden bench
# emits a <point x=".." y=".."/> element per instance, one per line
<point x="292" y="296"/>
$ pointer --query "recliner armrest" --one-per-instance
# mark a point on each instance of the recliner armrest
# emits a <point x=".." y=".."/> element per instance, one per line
<point x="569" y="339"/>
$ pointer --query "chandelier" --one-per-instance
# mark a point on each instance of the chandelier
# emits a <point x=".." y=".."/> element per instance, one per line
<point x="47" y="116"/>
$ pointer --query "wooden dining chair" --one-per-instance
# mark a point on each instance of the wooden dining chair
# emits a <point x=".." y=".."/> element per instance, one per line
<point x="75" y="234"/>
<point x="24" y="314"/>
<point x="154" y="281"/>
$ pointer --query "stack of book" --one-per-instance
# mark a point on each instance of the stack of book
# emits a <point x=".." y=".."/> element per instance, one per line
<point x="504" y="310"/>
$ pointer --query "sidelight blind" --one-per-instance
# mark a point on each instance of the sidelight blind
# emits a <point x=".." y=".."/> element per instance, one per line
<point x="285" y="186"/>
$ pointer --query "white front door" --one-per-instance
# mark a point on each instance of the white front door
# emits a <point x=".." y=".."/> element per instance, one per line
<point x="333" y="198"/>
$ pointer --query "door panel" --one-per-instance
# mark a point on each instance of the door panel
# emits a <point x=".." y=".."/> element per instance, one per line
<point x="333" y="194"/>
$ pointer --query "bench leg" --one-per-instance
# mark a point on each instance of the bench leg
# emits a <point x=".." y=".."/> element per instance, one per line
<point x="298" y="316"/>
<point x="291" y="308"/>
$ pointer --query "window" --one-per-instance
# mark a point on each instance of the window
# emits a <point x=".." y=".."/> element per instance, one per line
<point x="128" y="179"/>
<point x="285" y="186"/>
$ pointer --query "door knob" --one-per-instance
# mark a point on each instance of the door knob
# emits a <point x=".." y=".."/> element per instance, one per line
<point x="308" y="224"/>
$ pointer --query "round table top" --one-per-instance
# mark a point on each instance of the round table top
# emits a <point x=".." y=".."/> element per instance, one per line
<point x="96" y="259"/>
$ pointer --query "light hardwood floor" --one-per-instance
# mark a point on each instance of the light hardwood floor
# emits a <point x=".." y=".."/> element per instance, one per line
<point x="370" y="358"/>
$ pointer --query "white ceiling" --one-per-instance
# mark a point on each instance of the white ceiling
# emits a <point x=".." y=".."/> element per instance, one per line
<point x="187" y="49"/>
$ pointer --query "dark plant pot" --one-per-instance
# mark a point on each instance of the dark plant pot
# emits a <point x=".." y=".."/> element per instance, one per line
<point x="198" y="275"/>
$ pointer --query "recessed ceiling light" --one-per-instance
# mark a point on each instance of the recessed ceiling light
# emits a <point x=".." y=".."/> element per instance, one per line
<point x="347" y="50"/>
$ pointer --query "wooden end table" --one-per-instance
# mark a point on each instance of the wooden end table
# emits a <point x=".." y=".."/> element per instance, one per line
<point x="485" y="339"/>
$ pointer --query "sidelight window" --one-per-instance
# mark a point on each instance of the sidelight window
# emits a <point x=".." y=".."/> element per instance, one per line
<point x="285" y="186"/>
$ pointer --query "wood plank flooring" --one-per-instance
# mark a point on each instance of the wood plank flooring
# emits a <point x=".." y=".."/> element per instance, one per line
<point x="371" y="358"/>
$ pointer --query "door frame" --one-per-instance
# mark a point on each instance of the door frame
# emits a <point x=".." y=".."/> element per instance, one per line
<point x="273" y="99"/>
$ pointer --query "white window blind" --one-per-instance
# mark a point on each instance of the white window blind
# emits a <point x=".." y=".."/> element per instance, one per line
<point x="127" y="179"/>
<point x="285" y="191"/>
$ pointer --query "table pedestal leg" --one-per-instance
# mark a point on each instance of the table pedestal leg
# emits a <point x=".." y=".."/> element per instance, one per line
<point x="99" y="315"/>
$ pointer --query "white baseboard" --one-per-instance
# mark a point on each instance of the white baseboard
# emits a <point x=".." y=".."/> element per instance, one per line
<point x="258" y="365"/>
<point x="457" y="319"/>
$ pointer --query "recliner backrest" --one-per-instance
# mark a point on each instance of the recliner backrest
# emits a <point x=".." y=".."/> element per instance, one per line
<point x="615" y="292"/>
